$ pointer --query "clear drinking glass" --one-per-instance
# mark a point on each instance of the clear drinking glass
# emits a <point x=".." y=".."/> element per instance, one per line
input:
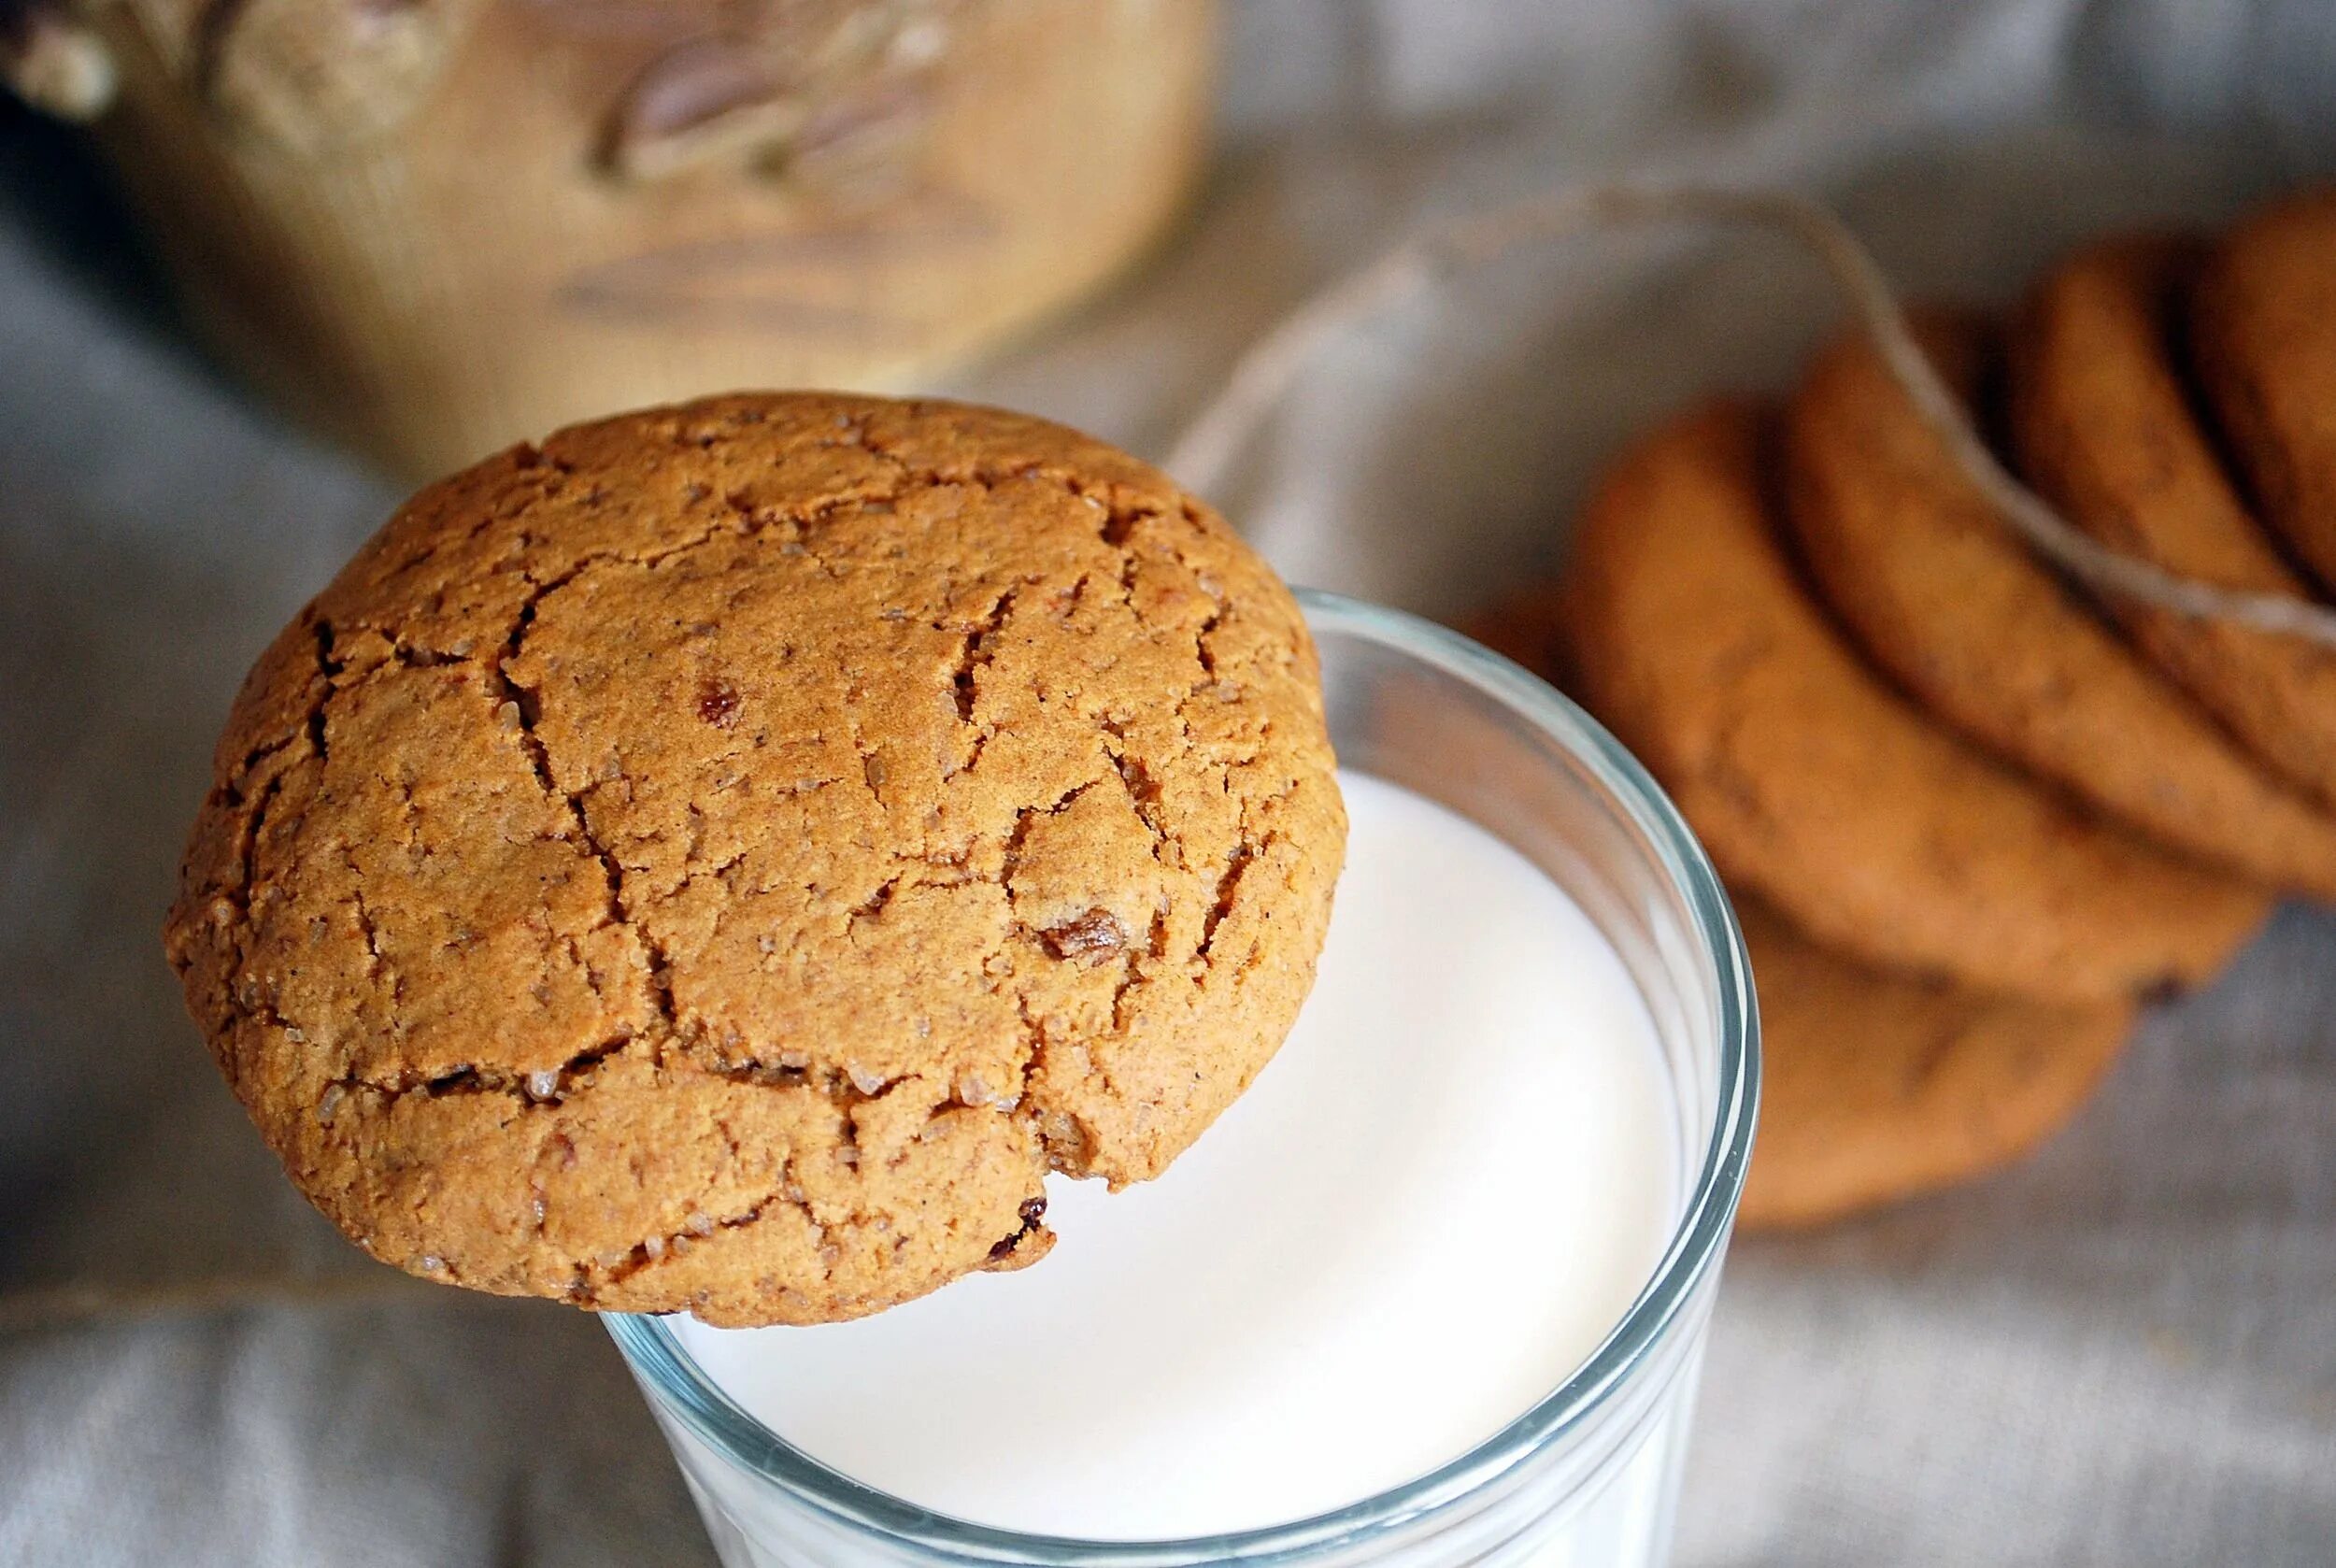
<point x="1586" y="1478"/>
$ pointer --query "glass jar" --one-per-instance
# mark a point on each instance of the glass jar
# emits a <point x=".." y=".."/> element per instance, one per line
<point x="436" y="227"/>
<point x="1589" y="1476"/>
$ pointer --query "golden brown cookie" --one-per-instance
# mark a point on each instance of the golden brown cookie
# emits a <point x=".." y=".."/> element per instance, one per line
<point x="2262" y="334"/>
<point x="722" y="858"/>
<point x="2103" y="429"/>
<point x="1815" y="785"/>
<point x="1876" y="1087"/>
<point x="1940" y="595"/>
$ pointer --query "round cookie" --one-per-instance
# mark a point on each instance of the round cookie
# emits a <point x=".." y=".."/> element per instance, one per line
<point x="2262" y="334"/>
<point x="724" y="857"/>
<point x="1878" y="1087"/>
<point x="1946" y="599"/>
<point x="1815" y="785"/>
<point x="2102" y="428"/>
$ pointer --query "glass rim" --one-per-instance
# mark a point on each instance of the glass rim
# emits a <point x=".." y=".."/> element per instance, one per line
<point x="681" y="1387"/>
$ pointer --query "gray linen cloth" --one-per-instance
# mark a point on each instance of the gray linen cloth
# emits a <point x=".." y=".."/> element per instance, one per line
<point x="2123" y="1354"/>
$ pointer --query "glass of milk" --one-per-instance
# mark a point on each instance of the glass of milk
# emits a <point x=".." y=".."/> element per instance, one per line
<point x="1432" y="1294"/>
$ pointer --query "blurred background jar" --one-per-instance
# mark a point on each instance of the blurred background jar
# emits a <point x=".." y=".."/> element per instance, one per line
<point x="434" y="227"/>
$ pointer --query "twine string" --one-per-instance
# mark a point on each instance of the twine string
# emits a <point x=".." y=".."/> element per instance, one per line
<point x="1263" y="375"/>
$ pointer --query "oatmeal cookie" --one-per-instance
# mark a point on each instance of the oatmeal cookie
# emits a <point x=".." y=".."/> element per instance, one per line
<point x="722" y="858"/>
<point x="1946" y="599"/>
<point x="1814" y="784"/>
<point x="1876" y="1087"/>
<point x="2262" y="334"/>
<point x="2102" y="426"/>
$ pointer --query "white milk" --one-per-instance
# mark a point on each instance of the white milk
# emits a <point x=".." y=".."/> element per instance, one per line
<point x="1445" y="1190"/>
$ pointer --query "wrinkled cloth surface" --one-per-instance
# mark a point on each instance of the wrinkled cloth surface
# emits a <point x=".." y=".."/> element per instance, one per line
<point x="2122" y="1353"/>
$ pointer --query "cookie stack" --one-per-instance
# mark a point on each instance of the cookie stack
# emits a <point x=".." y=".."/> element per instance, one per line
<point x="1973" y="817"/>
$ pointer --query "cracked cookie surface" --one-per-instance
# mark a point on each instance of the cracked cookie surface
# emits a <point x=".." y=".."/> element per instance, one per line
<point x="724" y="857"/>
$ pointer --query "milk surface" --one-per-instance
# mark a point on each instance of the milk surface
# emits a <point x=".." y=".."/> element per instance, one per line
<point x="1434" y="1203"/>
